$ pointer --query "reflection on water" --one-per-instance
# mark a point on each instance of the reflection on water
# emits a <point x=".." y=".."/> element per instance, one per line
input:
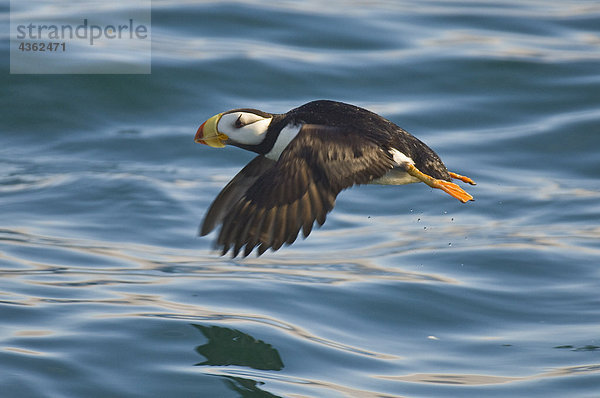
<point x="247" y="388"/>
<point x="587" y="347"/>
<point x="303" y="386"/>
<point x="227" y="346"/>
<point x="231" y="347"/>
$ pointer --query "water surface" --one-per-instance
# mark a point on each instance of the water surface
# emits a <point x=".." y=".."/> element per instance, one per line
<point x="106" y="290"/>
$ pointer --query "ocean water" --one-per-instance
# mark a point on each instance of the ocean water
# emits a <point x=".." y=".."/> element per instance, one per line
<point x="107" y="291"/>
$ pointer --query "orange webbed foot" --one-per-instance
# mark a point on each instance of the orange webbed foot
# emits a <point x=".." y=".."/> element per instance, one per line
<point x="462" y="178"/>
<point x="453" y="190"/>
<point x="449" y="187"/>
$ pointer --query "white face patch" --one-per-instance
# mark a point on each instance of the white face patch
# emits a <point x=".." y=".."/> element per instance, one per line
<point x="244" y="127"/>
<point x="286" y="135"/>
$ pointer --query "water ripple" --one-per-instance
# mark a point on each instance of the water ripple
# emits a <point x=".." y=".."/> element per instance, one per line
<point x="480" y="379"/>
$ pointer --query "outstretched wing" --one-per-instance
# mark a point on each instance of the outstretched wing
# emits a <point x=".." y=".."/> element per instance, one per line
<point x="299" y="189"/>
<point x="233" y="192"/>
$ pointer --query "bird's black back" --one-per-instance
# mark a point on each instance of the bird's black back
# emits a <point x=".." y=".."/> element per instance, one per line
<point x="369" y="125"/>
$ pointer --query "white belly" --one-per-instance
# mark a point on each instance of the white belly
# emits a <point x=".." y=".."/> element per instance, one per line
<point x="398" y="175"/>
<point x="395" y="176"/>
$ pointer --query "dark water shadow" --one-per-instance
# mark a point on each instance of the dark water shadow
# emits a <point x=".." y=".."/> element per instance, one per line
<point x="231" y="347"/>
<point x="227" y="346"/>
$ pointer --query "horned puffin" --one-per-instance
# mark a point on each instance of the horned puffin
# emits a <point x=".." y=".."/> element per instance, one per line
<point x="305" y="158"/>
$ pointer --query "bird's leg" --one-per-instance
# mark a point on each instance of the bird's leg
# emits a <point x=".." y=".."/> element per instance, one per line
<point x="462" y="178"/>
<point x="449" y="187"/>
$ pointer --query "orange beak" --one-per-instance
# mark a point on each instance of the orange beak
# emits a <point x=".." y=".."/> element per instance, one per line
<point x="208" y="134"/>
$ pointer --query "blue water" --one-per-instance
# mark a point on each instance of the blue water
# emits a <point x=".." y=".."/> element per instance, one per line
<point x="106" y="290"/>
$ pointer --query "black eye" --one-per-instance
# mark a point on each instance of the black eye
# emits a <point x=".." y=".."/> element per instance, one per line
<point x="238" y="122"/>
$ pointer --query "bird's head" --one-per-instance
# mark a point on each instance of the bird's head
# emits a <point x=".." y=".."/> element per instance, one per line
<point x="242" y="127"/>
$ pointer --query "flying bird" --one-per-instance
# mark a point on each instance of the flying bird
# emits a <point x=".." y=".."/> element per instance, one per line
<point x="305" y="158"/>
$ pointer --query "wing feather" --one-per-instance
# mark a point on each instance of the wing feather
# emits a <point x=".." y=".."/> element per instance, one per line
<point x="267" y="204"/>
<point x="233" y="192"/>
